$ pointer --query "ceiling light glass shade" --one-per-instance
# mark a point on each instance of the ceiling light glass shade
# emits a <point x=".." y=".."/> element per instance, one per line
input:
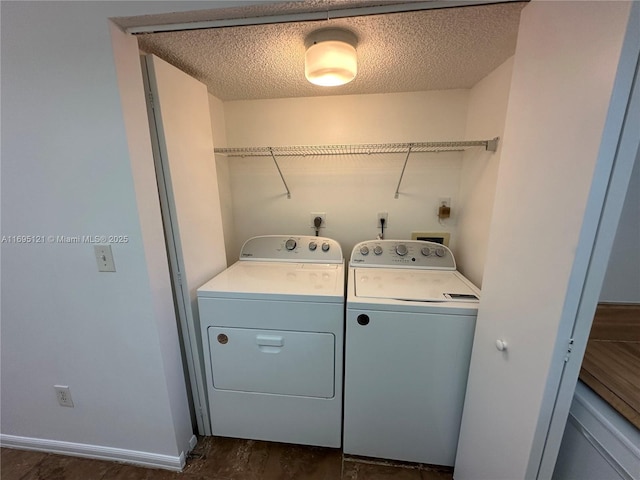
<point x="331" y="58"/>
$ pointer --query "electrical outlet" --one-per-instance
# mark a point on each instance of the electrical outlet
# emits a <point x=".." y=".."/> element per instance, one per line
<point x="104" y="257"/>
<point x="63" y="394"/>
<point x="313" y="216"/>
<point x="382" y="215"/>
<point x="444" y="208"/>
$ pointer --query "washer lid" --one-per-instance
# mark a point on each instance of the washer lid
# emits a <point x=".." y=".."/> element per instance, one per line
<point x="274" y="281"/>
<point x="413" y="285"/>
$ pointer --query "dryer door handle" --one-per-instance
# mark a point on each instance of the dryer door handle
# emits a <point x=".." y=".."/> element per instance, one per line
<point x="269" y="340"/>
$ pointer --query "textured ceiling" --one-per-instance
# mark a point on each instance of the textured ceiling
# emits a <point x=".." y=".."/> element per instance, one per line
<point x="400" y="52"/>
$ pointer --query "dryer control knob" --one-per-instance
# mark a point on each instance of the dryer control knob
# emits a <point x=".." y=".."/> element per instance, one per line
<point x="313" y="246"/>
<point x="440" y="252"/>
<point x="377" y="250"/>
<point x="426" y="251"/>
<point x="290" y="244"/>
<point x="401" y="250"/>
<point x="363" y="319"/>
<point x="364" y="250"/>
<point x="325" y="247"/>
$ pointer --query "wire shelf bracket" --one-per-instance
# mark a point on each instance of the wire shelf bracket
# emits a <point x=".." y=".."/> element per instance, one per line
<point x="286" y="187"/>
<point x="402" y="173"/>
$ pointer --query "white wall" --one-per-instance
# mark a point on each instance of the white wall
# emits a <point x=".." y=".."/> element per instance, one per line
<point x="487" y="111"/>
<point x="622" y="281"/>
<point x="563" y="73"/>
<point x="349" y="189"/>
<point x="75" y="160"/>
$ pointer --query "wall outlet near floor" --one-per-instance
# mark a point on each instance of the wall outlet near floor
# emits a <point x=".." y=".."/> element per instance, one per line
<point x="313" y="216"/>
<point x="63" y="393"/>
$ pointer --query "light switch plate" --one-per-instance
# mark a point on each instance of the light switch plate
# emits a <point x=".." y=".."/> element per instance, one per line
<point x="104" y="257"/>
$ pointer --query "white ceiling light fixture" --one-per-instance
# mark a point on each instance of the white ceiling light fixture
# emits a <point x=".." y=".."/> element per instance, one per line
<point x="330" y="59"/>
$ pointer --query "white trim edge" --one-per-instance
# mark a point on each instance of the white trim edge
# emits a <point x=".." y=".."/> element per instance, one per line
<point x="167" y="462"/>
<point x="618" y="427"/>
<point x="193" y="441"/>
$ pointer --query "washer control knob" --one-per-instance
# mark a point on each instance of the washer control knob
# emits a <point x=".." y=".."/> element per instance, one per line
<point x="501" y="345"/>
<point x="364" y="250"/>
<point x="290" y="244"/>
<point x="426" y="251"/>
<point x="363" y="319"/>
<point x="325" y="247"/>
<point x="440" y="252"/>
<point x="377" y="250"/>
<point x="401" y="250"/>
<point x="313" y="246"/>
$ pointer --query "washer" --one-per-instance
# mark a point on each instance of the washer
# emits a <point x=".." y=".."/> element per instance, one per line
<point x="272" y="327"/>
<point x="409" y="330"/>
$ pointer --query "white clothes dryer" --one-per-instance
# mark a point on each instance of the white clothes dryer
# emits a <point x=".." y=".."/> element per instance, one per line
<point x="272" y="327"/>
<point x="409" y="330"/>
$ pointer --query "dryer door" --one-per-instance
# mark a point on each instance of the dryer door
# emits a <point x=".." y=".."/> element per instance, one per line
<point x="272" y="361"/>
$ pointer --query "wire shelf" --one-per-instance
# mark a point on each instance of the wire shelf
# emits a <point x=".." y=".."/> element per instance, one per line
<point x="356" y="149"/>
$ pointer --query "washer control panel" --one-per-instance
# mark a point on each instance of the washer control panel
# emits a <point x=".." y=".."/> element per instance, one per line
<point x="292" y="248"/>
<point x="403" y="254"/>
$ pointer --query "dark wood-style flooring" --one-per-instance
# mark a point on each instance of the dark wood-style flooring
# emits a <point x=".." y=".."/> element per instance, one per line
<point x="217" y="458"/>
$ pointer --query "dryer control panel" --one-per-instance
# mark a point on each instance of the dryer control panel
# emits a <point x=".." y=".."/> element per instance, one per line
<point x="292" y="248"/>
<point x="403" y="254"/>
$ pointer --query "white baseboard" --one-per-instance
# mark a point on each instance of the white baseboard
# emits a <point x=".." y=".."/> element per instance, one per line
<point x="145" y="459"/>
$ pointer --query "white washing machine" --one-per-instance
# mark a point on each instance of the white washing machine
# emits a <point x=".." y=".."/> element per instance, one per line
<point x="410" y="324"/>
<point x="272" y="326"/>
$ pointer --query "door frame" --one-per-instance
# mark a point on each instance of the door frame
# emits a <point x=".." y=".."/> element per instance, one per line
<point x="601" y="217"/>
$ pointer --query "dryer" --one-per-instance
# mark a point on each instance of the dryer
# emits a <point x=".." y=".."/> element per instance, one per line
<point x="410" y="324"/>
<point x="272" y="326"/>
